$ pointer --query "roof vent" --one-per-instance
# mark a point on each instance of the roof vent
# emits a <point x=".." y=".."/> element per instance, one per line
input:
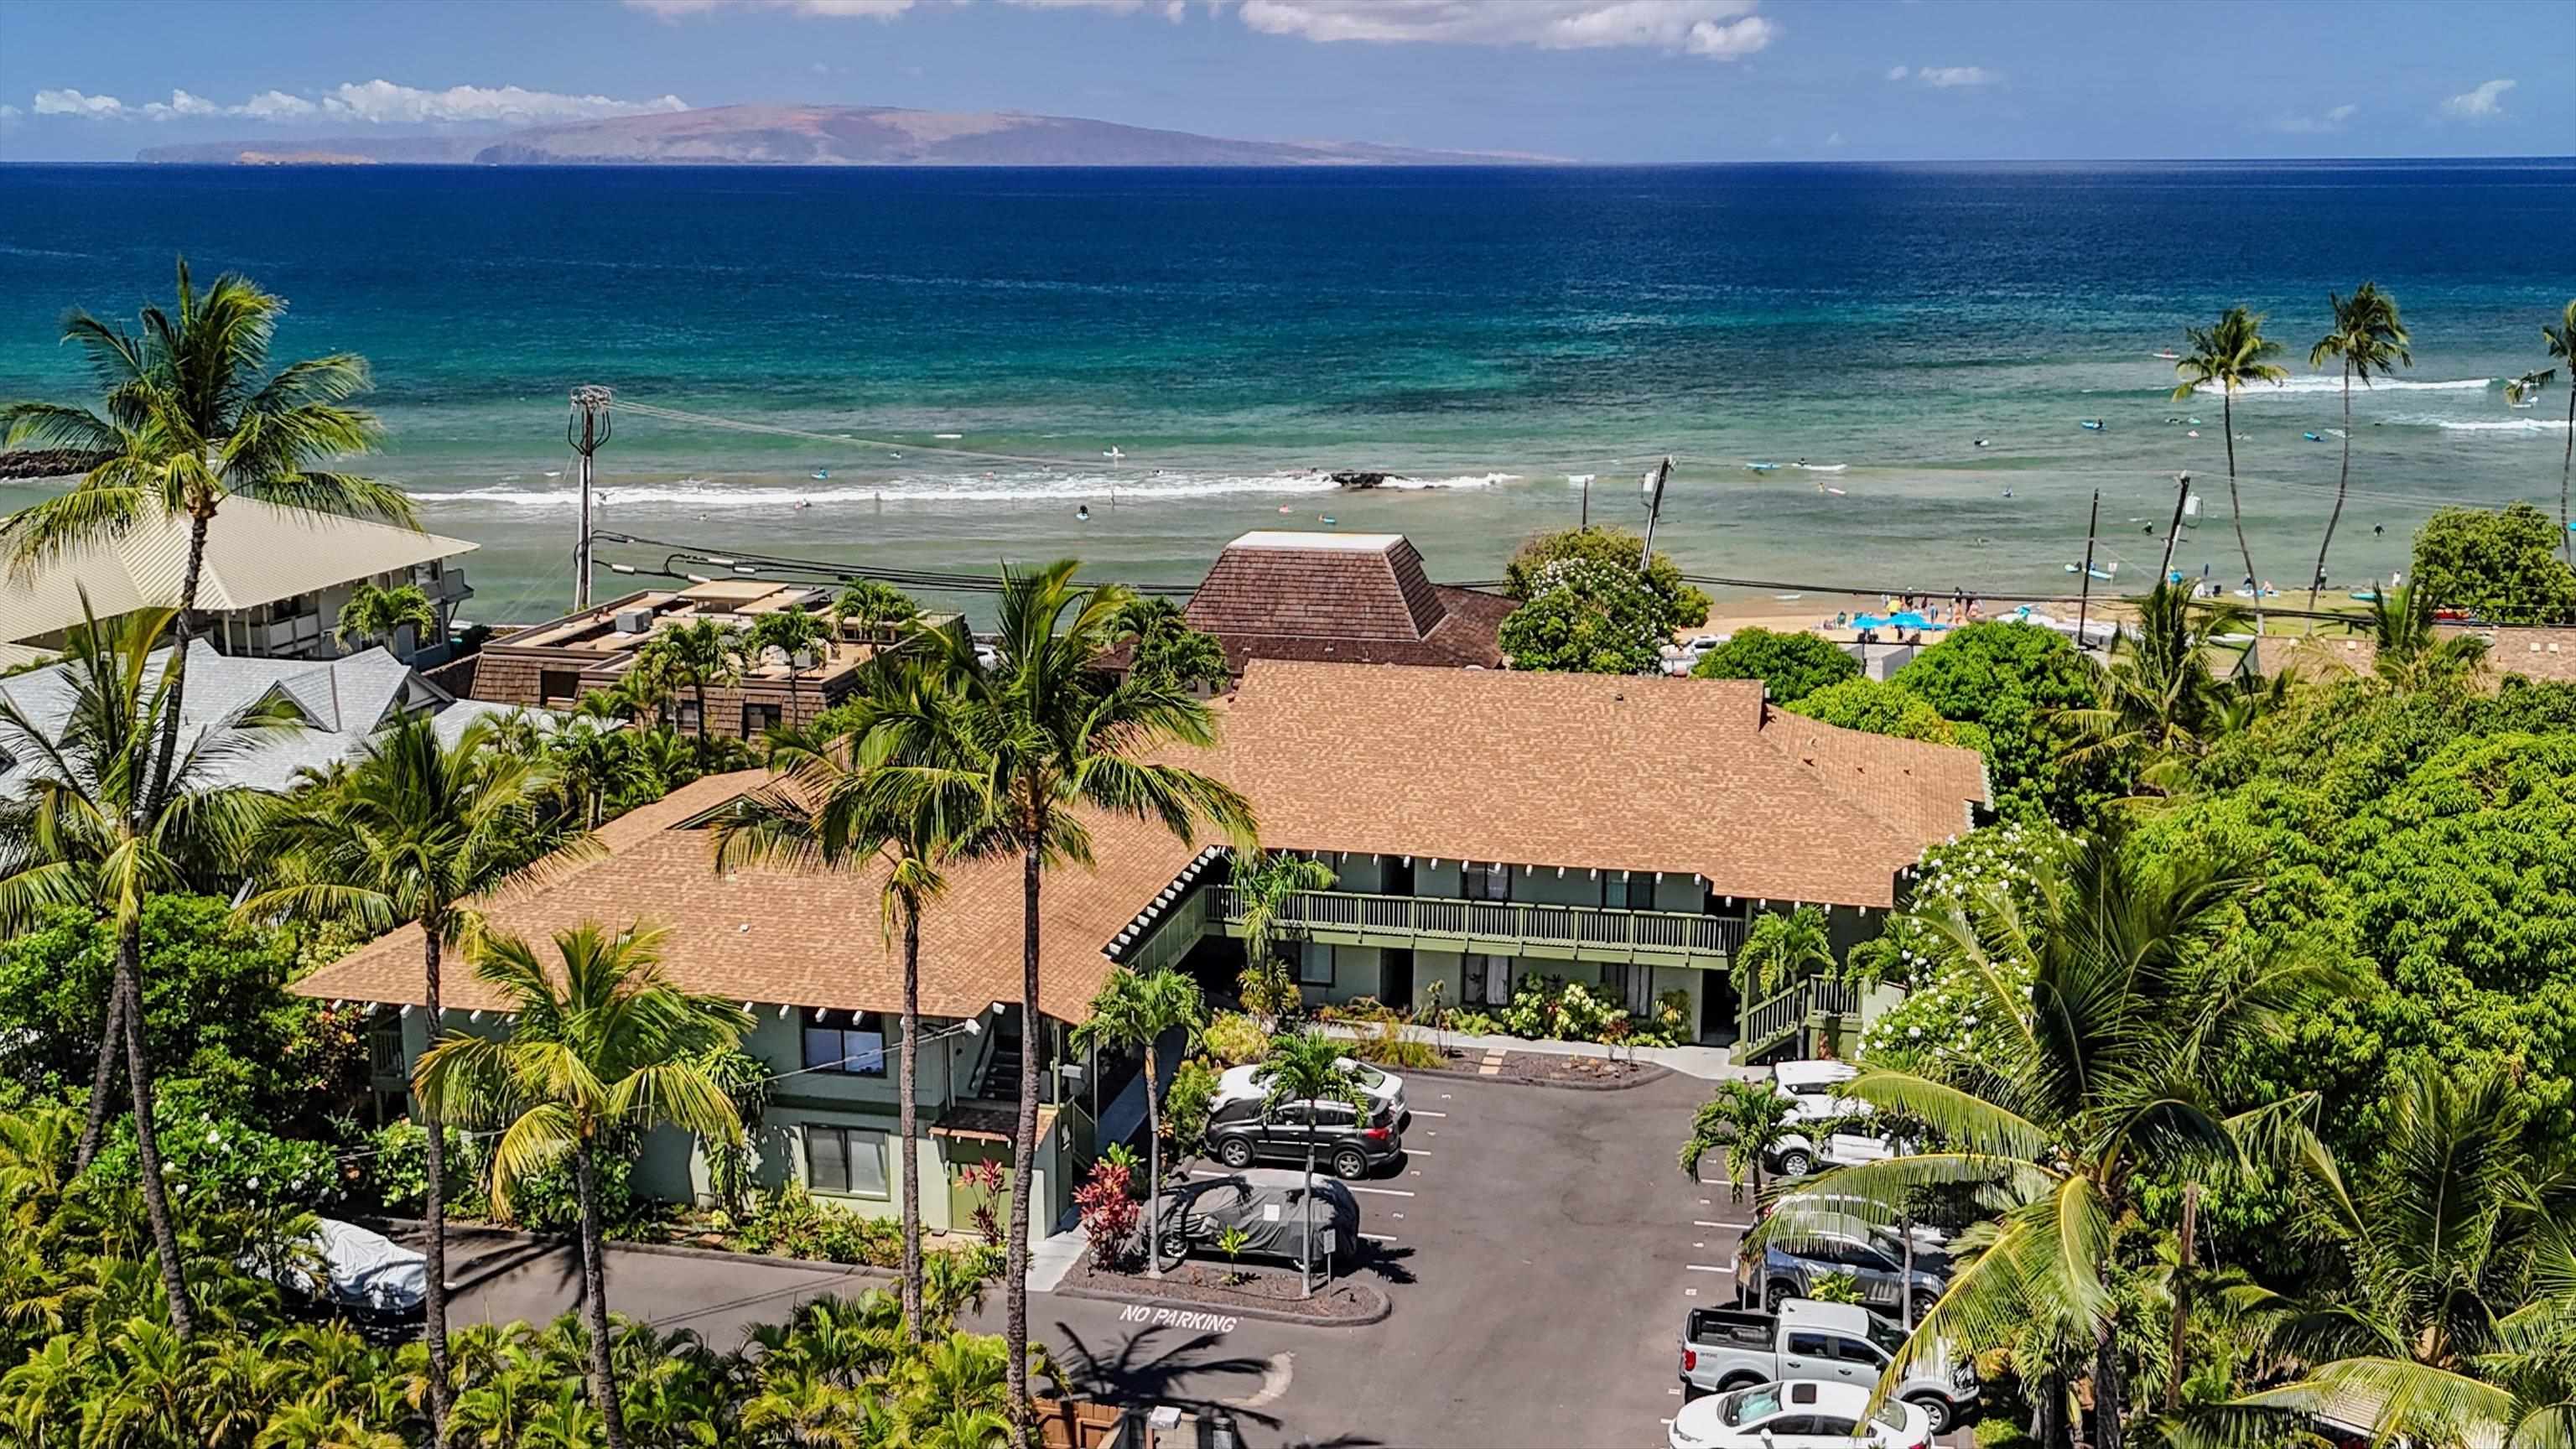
<point x="634" y="621"/>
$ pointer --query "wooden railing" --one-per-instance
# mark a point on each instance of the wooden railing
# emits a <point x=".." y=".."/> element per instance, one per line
<point x="1776" y="1019"/>
<point x="1576" y="929"/>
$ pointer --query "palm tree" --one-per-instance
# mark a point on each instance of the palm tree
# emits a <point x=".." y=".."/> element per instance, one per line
<point x="2445" y="1243"/>
<point x="1139" y="1010"/>
<point x="789" y="631"/>
<point x="830" y="810"/>
<point x="697" y="656"/>
<point x="607" y="1050"/>
<point x="2407" y="650"/>
<point x="412" y="832"/>
<point x="1748" y="1120"/>
<point x="2159" y="702"/>
<point x="189" y="415"/>
<point x="1304" y="1066"/>
<point x="2231" y="355"/>
<point x="875" y="605"/>
<point x="2561" y="342"/>
<point x="2127" y="1002"/>
<point x="1267" y="885"/>
<point x="98" y="827"/>
<point x="1045" y="734"/>
<point x="589" y="767"/>
<point x="378" y="613"/>
<point x="2368" y="339"/>
<point x="1779" y="948"/>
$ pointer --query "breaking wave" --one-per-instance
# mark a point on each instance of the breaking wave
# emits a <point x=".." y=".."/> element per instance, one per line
<point x="2333" y="383"/>
<point x="1021" y="486"/>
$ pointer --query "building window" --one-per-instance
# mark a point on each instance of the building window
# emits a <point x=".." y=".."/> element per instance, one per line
<point x="1485" y="882"/>
<point x="1631" y="984"/>
<point x="558" y="683"/>
<point x="1315" y="965"/>
<point x="759" y="719"/>
<point x="846" y="1160"/>
<point x="857" y="1049"/>
<point x="688" y="715"/>
<point x="1636" y="892"/>
<point x="1487" y="981"/>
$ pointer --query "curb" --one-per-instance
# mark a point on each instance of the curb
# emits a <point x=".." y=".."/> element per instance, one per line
<point x="521" y="1238"/>
<point x="1649" y="1074"/>
<point x="1378" y="1314"/>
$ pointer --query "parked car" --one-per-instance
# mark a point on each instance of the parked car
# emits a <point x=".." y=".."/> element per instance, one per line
<point x="1253" y="1080"/>
<point x="1734" y="1348"/>
<point x="1776" y="1273"/>
<point x="1247" y="1129"/>
<point x="1800" y="1153"/>
<point x="1813" y="1078"/>
<point x="1798" y="1416"/>
<point x="1270" y="1213"/>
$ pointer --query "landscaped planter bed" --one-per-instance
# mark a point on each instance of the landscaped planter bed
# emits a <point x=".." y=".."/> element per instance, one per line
<point x="1550" y="1069"/>
<point x="1198" y="1295"/>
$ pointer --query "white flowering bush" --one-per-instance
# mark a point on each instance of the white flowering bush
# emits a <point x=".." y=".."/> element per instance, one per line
<point x="1947" y="1009"/>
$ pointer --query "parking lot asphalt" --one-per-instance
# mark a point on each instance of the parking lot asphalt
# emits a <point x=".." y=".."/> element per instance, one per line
<point x="1540" y="1246"/>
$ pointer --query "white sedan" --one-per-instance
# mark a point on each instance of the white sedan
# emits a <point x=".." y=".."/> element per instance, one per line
<point x="1799" y="1416"/>
<point x="1384" y="1089"/>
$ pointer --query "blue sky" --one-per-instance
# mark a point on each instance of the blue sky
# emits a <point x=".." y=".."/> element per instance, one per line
<point x="1596" y="80"/>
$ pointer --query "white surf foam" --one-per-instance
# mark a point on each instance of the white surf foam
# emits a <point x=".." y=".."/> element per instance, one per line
<point x="2333" y="383"/>
<point x="1019" y="486"/>
<point x="2503" y="425"/>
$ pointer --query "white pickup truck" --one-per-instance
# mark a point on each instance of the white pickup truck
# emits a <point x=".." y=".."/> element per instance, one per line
<point x="1730" y="1348"/>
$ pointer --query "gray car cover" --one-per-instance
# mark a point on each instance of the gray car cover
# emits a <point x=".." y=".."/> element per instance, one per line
<point x="1271" y="1213"/>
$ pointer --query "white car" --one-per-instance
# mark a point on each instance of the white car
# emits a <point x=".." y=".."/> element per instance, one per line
<point x="1799" y="1416"/>
<point x="1383" y="1088"/>
<point x="1810" y="1078"/>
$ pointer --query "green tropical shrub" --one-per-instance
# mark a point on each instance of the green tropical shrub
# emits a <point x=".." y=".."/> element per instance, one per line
<point x="1791" y="666"/>
<point x="1234" y="1038"/>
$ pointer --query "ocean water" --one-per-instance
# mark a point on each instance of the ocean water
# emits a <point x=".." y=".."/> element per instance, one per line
<point x="1489" y="334"/>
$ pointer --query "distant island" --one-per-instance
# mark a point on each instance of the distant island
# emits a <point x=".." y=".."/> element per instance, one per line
<point x="822" y="136"/>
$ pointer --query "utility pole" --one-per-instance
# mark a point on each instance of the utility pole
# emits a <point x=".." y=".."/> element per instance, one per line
<point x="2182" y="495"/>
<point x="587" y="431"/>
<point x="1583" y="520"/>
<point x="1654" y="488"/>
<point x="2084" y="600"/>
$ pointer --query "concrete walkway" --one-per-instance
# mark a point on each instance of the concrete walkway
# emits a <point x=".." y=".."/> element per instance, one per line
<point x="1707" y="1063"/>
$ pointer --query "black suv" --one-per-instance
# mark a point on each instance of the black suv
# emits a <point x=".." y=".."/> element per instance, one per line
<point x="1350" y="1144"/>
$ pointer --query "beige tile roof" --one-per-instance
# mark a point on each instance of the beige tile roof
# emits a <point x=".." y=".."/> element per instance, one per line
<point x="2533" y="652"/>
<point x="803" y="939"/>
<point x="1689" y="776"/>
<point x="255" y="554"/>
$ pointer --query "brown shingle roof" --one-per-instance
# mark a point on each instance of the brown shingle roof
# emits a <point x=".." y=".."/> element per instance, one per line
<point x="2533" y="652"/>
<point x="1686" y="776"/>
<point x="1689" y="776"/>
<point x="1349" y="598"/>
<point x="806" y="939"/>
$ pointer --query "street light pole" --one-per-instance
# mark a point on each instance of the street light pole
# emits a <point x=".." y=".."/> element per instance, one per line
<point x="586" y="430"/>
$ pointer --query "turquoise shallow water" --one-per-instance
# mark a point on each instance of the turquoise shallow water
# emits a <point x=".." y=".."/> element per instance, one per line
<point x="1489" y="333"/>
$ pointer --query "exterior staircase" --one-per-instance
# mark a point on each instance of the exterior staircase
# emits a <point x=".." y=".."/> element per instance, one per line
<point x="1781" y="1021"/>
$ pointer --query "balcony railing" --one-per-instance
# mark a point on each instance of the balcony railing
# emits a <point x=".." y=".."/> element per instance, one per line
<point x="1777" y="1020"/>
<point x="1516" y="927"/>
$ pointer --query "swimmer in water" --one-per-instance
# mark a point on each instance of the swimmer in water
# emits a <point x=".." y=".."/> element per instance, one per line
<point x="1082" y="513"/>
<point x="1981" y="442"/>
<point x="804" y="503"/>
<point x="2007" y="493"/>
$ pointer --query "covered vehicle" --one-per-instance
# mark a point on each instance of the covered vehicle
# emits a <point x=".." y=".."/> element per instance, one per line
<point x="362" y="1271"/>
<point x="1269" y="1207"/>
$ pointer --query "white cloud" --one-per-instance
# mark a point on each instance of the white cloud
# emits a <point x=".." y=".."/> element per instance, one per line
<point x="276" y="106"/>
<point x="869" y="9"/>
<point x="1945" y="77"/>
<point x="2325" y="125"/>
<point x="381" y="102"/>
<point x="2484" y="103"/>
<point x="181" y="104"/>
<point x="73" y="103"/>
<point x="375" y="102"/>
<point x="1721" y="29"/>
<point x="1836" y="139"/>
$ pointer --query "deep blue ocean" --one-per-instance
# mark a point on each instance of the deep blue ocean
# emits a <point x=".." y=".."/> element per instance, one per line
<point x="1489" y="333"/>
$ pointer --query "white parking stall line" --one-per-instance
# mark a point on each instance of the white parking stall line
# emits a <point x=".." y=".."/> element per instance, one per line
<point x="1709" y="1268"/>
<point x="1427" y="1112"/>
<point x="1379" y="1237"/>
<point x="1419" y="1151"/>
<point x="1713" y="1223"/>
<point x="1380" y="1191"/>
